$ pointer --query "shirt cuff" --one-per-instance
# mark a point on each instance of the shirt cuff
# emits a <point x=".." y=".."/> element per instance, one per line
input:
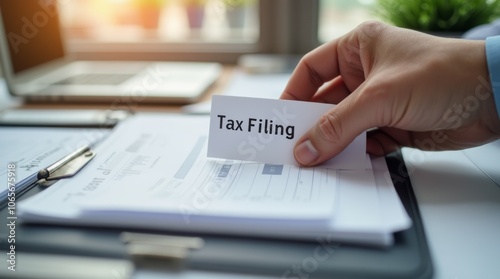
<point x="493" y="59"/>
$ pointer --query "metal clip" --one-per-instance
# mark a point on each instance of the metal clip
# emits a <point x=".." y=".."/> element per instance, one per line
<point x="67" y="166"/>
<point x="159" y="250"/>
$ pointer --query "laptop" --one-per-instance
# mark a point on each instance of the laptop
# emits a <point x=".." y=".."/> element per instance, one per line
<point x="37" y="67"/>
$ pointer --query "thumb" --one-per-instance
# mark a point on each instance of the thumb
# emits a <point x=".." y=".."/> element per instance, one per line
<point x="334" y="131"/>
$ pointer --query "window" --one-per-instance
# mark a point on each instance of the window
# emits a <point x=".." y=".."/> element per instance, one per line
<point x="218" y="30"/>
<point x="337" y="17"/>
<point x="132" y="21"/>
<point x="160" y="29"/>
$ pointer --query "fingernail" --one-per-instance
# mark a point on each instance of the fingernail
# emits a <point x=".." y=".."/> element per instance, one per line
<point x="305" y="153"/>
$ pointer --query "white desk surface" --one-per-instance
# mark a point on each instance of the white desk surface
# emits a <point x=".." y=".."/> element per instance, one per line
<point x="460" y="208"/>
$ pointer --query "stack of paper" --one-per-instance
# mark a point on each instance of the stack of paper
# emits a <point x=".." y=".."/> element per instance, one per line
<point x="152" y="172"/>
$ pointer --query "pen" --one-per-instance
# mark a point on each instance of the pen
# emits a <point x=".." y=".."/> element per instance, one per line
<point x="47" y="172"/>
<point x="87" y="118"/>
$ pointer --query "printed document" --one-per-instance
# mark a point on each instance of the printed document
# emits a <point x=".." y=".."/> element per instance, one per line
<point x="153" y="172"/>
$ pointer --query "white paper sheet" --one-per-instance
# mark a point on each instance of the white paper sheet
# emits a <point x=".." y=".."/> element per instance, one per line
<point x="266" y="130"/>
<point x="171" y="171"/>
<point x="152" y="172"/>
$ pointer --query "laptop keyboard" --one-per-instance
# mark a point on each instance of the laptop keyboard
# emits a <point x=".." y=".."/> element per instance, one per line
<point x="95" y="79"/>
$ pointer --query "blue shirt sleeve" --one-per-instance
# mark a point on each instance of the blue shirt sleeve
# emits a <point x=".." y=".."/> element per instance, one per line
<point x="493" y="59"/>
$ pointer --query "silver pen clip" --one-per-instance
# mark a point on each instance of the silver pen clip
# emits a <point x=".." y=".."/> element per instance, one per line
<point x="67" y="166"/>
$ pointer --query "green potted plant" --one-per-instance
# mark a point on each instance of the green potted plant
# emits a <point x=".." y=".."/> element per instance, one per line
<point x="235" y="12"/>
<point x="149" y="12"/>
<point x="438" y="16"/>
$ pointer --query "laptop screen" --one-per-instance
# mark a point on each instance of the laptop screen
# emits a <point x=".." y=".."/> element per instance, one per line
<point x="32" y="32"/>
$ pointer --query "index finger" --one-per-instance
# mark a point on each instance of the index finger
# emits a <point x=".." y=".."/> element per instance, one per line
<point x="314" y="69"/>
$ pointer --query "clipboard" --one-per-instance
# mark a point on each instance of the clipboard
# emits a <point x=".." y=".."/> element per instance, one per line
<point x="409" y="257"/>
<point x="68" y="165"/>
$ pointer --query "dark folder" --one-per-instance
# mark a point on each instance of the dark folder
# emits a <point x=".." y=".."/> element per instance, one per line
<point x="409" y="257"/>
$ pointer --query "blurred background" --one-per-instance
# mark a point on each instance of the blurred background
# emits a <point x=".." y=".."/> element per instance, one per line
<point x="223" y="30"/>
<point x="205" y="30"/>
<point x="130" y="21"/>
<point x="193" y="20"/>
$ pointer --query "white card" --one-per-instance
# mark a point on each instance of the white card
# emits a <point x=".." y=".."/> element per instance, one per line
<point x="266" y="130"/>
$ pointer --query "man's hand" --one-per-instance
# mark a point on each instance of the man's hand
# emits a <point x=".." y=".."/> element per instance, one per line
<point x="419" y="90"/>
